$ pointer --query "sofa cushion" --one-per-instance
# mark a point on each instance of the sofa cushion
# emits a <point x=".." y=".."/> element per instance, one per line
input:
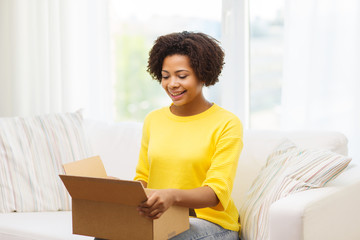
<point x="38" y="225"/>
<point x="32" y="151"/>
<point x="289" y="169"/>
<point x="259" y="144"/>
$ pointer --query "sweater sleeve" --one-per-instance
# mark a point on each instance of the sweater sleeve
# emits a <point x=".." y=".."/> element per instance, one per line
<point x="142" y="168"/>
<point x="221" y="174"/>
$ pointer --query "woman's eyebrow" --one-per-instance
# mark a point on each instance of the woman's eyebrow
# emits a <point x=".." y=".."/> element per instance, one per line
<point x="181" y="70"/>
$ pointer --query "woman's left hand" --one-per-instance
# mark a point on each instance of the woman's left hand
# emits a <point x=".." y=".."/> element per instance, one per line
<point x="157" y="203"/>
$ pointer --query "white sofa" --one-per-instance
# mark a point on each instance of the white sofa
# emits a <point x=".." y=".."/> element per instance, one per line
<point x="330" y="213"/>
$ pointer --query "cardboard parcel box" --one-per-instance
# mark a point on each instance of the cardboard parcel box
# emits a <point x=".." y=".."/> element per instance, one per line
<point x="105" y="207"/>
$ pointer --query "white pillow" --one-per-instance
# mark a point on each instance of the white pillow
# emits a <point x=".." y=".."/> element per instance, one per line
<point x="32" y="151"/>
<point x="288" y="170"/>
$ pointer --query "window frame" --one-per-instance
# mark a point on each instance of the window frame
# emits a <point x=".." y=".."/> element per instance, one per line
<point x="234" y="85"/>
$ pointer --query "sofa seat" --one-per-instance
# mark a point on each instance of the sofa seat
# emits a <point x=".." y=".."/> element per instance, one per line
<point x="38" y="226"/>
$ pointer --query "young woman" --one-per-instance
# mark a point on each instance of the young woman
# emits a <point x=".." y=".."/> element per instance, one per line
<point x="190" y="149"/>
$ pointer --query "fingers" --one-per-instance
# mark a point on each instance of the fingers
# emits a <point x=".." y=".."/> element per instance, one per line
<point x="152" y="214"/>
<point x="152" y="208"/>
<point x="149" y="202"/>
<point x="158" y="215"/>
<point x="157" y="203"/>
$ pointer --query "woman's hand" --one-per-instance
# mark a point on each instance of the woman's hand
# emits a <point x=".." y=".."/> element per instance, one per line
<point x="157" y="203"/>
<point x="160" y="200"/>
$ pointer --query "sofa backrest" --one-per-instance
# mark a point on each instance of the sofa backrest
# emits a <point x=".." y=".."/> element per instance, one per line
<point x="118" y="145"/>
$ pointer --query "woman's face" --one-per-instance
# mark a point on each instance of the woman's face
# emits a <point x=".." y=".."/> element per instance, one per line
<point x="180" y="81"/>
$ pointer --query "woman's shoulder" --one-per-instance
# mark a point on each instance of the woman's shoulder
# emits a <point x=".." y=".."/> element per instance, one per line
<point x="226" y="115"/>
<point x="228" y="122"/>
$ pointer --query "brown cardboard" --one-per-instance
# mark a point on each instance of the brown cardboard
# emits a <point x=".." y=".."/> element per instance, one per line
<point x="106" y="208"/>
<point x="90" y="167"/>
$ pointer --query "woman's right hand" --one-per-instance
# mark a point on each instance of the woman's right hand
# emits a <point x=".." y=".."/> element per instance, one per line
<point x="157" y="203"/>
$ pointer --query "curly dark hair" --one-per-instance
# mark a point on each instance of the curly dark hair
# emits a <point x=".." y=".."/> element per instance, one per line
<point x="205" y="54"/>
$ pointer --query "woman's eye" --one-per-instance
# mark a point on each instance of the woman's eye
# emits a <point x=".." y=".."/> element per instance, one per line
<point x="165" y="77"/>
<point x="182" y="76"/>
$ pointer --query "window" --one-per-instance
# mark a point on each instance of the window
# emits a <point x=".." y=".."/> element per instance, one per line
<point x="266" y="56"/>
<point x="133" y="31"/>
<point x="250" y="85"/>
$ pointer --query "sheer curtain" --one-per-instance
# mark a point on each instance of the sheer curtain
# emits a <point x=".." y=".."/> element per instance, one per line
<point x="54" y="57"/>
<point x="322" y="68"/>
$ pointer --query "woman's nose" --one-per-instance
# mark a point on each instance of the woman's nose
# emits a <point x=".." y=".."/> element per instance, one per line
<point x="173" y="82"/>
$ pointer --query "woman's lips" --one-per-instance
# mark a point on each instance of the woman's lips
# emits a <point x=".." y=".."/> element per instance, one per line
<point x="177" y="95"/>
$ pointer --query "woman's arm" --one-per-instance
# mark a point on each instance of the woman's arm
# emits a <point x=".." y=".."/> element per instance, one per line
<point x="160" y="200"/>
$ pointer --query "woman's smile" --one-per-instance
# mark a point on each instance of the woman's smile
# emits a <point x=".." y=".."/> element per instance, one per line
<point x="181" y="83"/>
<point x="176" y="95"/>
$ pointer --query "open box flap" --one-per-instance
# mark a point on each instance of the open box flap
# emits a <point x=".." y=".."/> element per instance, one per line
<point x="90" y="167"/>
<point x="104" y="190"/>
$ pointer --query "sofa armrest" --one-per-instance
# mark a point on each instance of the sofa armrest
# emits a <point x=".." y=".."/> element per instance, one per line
<point x="331" y="213"/>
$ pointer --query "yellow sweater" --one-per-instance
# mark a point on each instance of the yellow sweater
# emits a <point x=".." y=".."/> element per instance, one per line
<point x="190" y="152"/>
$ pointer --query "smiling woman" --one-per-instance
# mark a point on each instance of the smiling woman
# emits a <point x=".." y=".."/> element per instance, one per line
<point x="183" y="63"/>
<point x="183" y="87"/>
<point x="190" y="149"/>
<point x="179" y="81"/>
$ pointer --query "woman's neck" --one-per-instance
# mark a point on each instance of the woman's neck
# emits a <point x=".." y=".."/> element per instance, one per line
<point x="190" y="109"/>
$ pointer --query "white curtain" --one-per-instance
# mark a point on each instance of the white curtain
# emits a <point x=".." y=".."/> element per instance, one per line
<point x="54" y="57"/>
<point x="322" y="68"/>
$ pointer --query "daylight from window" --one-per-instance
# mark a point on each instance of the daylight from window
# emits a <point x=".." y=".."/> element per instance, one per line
<point x="266" y="60"/>
<point x="133" y="31"/>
